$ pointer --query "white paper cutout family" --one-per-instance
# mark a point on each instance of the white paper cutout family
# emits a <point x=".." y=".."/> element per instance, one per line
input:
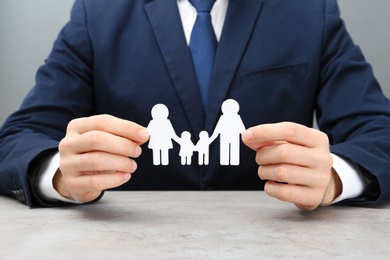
<point x="229" y="128"/>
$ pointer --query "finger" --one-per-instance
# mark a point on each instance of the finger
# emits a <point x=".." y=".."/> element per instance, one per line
<point x="291" y="174"/>
<point x="100" y="141"/>
<point x="287" y="153"/>
<point x="261" y="135"/>
<point x="302" y="196"/>
<point x="110" y="124"/>
<point x="89" y="187"/>
<point x="97" y="162"/>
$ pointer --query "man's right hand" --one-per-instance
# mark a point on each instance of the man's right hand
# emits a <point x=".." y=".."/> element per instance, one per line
<point x="96" y="154"/>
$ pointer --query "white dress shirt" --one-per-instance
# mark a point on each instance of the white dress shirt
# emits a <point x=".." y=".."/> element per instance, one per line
<point x="353" y="185"/>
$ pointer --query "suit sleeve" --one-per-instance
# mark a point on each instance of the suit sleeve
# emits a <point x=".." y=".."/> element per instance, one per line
<point x="352" y="109"/>
<point x="63" y="91"/>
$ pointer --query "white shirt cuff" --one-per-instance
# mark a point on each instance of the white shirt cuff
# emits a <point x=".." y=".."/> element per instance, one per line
<point x="45" y="176"/>
<point x="353" y="183"/>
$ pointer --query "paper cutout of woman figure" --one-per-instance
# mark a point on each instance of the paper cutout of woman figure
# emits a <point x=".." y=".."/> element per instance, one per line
<point x="229" y="127"/>
<point x="161" y="134"/>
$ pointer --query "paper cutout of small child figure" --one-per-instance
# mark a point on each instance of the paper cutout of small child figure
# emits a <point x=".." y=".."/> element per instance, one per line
<point x="229" y="127"/>
<point x="161" y="134"/>
<point x="186" y="148"/>
<point x="202" y="147"/>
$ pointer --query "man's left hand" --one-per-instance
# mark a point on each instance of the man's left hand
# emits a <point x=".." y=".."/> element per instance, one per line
<point x="296" y="162"/>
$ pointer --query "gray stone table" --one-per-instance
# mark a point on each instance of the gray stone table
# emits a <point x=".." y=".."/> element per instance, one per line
<point x="192" y="225"/>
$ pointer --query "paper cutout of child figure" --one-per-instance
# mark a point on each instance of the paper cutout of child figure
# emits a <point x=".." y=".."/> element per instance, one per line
<point x="161" y="134"/>
<point x="229" y="127"/>
<point x="202" y="146"/>
<point x="186" y="148"/>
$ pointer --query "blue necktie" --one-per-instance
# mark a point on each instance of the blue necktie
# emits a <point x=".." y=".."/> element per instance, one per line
<point x="203" y="45"/>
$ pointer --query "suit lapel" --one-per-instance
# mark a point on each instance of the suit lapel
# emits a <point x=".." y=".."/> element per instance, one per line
<point x="240" y="19"/>
<point x="165" y="21"/>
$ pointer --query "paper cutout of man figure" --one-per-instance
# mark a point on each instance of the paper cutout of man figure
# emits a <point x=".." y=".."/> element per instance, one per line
<point x="229" y="128"/>
<point x="161" y="134"/>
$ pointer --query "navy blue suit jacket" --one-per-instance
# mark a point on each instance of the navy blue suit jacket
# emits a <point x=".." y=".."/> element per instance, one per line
<point x="281" y="60"/>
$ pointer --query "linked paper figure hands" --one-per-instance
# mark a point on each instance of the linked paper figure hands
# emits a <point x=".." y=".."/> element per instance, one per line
<point x="228" y="128"/>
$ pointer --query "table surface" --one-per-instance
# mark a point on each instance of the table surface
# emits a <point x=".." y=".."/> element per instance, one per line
<point x="192" y="225"/>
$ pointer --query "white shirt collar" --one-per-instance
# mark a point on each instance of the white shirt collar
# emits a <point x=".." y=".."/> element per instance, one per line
<point x="188" y="16"/>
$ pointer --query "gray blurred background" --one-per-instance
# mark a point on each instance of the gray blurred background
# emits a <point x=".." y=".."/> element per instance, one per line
<point x="29" y="27"/>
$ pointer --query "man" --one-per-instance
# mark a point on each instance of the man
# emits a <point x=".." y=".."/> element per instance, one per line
<point x="280" y="60"/>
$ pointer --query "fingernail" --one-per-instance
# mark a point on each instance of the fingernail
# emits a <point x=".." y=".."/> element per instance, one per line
<point x="247" y="135"/>
<point x="137" y="151"/>
<point x="127" y="176"/>
<point x="134" y="166"/>
<point x="143" y="134"/>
